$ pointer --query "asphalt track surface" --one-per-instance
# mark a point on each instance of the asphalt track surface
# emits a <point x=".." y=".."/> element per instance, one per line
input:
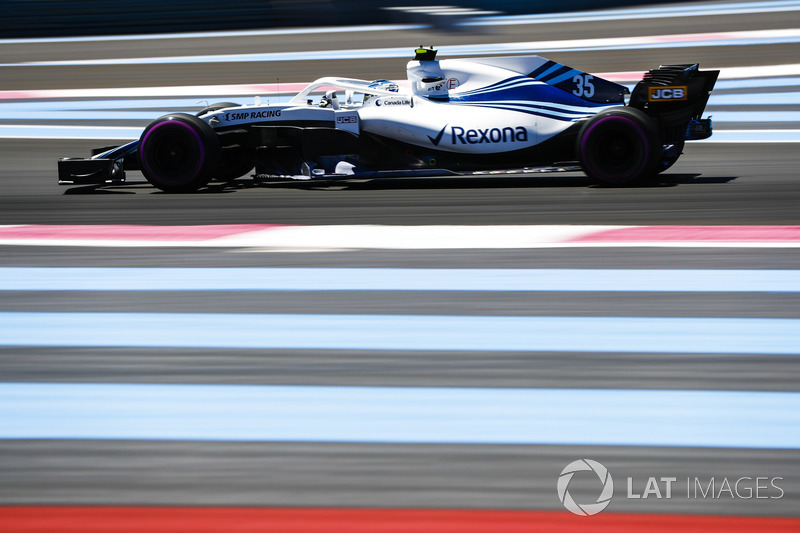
<point x="712" y="184"/>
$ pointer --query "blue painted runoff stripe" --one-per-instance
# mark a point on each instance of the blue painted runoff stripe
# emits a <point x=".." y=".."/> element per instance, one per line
<point x="20" y="131"/>
<point x="165" y="104"/>
<point x="403" y="332"/>
<point x="726" y="419"/>
<point x="395" y="279"/>
<point x="115" y="109"/>
<point x="22" y="114"/>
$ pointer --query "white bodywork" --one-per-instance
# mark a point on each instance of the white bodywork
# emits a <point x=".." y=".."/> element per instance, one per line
<point x="452" y="117"/>
<point x="455" y="105"/>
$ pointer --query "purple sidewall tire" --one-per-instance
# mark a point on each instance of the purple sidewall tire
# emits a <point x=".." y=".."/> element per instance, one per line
<point x="628" y="155"/>
<point x="178" y="153"/>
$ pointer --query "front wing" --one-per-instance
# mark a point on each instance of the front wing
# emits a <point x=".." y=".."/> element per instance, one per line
<point x="106" y="167"/>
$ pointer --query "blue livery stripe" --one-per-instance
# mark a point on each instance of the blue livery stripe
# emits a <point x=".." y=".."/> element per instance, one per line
<point x="567" y="75"/>
<point x="507" y="83"/>
<point x="534" y="109"/>
<point x="524" y="89"/>
<point x="549" y="71"/>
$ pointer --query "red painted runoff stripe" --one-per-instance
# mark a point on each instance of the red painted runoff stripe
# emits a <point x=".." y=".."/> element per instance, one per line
<point x="129" y="232"/>
<point x="44" y="519"/>
<point x="695" y="234"/>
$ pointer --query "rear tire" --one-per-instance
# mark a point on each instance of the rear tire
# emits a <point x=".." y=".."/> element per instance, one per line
<point x="179" y="153"/>
<point x="619" y="146"/>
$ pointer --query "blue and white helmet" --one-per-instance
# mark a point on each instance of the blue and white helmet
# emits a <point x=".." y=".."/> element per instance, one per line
<point x="384" y="85"/>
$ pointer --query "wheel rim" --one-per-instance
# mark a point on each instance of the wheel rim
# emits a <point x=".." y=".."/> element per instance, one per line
<point x="173" y="152"/>
<point x="615" y="149"/>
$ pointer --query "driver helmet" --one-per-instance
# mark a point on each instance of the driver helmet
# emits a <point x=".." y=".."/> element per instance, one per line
<point x="384" y="85"/>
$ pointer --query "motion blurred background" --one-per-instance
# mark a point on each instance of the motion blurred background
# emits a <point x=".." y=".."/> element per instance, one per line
<point x="27" y="18"/>
<point x="81" y="74"/>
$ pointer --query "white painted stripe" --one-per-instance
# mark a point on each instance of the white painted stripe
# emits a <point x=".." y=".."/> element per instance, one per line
<point x="426" y="237"/>
<point x="56" y="116"/>
<point x="701" y="10"/>
<point x="753" y="116"/>
<point x="403" y="332"/>
<point x="761" y="71"/>
<point x="337" y="237"/>
<point x="759" y="98"/>
<point x="348" y="237"/>
<point x="395" y="279"/>
<point x="738" y="38"/>
<point x="215" y="34"/>
<point x="725" y="419"/>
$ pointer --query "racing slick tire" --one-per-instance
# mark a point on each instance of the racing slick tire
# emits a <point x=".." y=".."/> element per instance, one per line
<point x="179" y="153"/>
<point x="244" y="158"/>
<point x="619" y="146"/>
<point x="243" y="164"/>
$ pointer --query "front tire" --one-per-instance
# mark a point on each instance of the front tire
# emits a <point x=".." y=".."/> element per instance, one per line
<point x="619" y="146"/>
<point x="237" y="159"/>
<point x="179" y="153"/>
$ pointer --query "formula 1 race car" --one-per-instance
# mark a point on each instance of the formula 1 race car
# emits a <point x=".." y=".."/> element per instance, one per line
<point x="453" y="116"/>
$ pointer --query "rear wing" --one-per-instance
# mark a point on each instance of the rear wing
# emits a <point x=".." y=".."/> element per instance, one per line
<point x="675" y="96"/>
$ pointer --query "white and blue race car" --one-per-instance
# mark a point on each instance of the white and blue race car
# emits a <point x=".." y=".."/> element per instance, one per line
<point x="453" y="116"/>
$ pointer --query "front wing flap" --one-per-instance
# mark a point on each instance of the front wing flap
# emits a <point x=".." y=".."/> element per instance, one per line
<point x="104" y="168"/>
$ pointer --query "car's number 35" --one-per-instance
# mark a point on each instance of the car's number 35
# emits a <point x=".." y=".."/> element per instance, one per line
<point x="584" y="87"/>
